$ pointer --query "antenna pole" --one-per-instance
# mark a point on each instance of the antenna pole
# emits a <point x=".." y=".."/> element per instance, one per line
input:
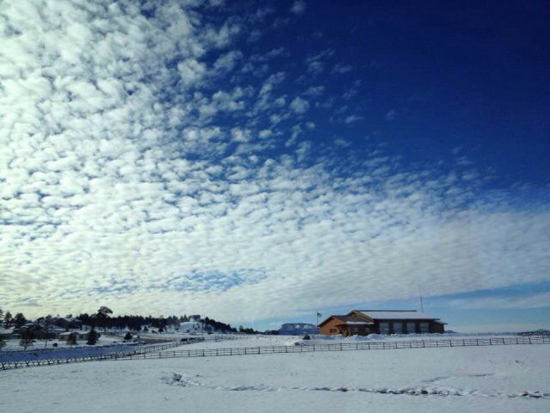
<point x="421" y="302"/>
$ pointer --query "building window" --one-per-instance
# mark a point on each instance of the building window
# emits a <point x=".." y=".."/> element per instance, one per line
<point x="424" y="328"/>
<point x="411" y="328"/>
<point x="384" y="328"/>
<point x="397" y="328"/>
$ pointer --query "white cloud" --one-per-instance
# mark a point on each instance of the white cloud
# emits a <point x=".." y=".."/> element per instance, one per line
<point x="341" y="68"/>
<point x="191" y="71"/>
<point x="315" y="67"/>
<point x="240" y="135"/>
<point x="391" y="115"/>
<point x="299" y="105"/>
<point x="298" y="7"/>
<point x="119" y="184"/>
<point x="315" y="91"/>
<point x="352" y="118"/>
<point x="533" y="300"/>
<point x="228" y="61"/>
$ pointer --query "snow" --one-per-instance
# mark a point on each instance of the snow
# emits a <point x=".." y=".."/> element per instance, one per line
<point x="397" y="315"/>
<point x="13" y="344"/>
<point x="499" y="378"/>
<point x="195" y="327"/>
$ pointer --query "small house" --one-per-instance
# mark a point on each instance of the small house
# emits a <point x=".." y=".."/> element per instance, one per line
<point x="78" y="335"/>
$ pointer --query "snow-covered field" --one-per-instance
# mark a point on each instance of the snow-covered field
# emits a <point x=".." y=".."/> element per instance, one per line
<point x="498" y="378"/>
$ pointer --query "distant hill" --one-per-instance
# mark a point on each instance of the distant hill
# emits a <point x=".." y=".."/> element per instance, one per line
<point x="298" y="328"/>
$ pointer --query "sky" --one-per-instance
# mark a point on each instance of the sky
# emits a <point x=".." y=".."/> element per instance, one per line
<point x="260" y="161"/>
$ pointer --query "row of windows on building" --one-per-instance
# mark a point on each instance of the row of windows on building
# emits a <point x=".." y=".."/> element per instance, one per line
<point x="401" y="328"/>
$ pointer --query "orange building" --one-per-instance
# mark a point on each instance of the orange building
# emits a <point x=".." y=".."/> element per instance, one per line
<point x="364" y="322"/>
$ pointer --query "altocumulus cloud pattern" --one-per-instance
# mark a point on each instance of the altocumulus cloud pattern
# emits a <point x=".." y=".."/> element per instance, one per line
<point x="148" y="161"/>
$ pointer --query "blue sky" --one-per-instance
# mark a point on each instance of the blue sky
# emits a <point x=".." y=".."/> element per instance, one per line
<point x="258" y="161"/>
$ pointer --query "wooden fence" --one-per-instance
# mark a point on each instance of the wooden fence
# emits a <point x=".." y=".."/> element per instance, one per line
<point x="161" y="353"/>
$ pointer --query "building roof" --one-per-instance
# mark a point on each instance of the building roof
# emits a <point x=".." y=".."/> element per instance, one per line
<point x="349" y="319"/>
<point x="396" y="315"/>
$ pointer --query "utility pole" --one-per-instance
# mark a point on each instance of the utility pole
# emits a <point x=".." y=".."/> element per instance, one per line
<point x="421" y="302"/>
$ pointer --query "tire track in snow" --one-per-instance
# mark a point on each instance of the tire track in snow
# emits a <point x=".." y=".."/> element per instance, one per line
<point x="182" y="380"/>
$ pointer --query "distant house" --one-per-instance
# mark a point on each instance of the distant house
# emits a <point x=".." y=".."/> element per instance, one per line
<point x="6" y="332"/>
<point x="364" y="322"/>
<point x="78" y="335"/>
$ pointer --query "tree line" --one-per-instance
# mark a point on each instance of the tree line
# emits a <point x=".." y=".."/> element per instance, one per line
<point x="42" y="327"/>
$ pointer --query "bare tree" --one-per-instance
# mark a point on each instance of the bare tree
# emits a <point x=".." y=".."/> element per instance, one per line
<point x="27" y="338"/>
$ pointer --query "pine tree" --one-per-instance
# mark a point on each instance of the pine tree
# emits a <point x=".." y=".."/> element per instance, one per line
<point x="93" y="336"/>
<point x="19" y="320"/>
<point x="8" y="320"/>
<point x="102" y="316"/>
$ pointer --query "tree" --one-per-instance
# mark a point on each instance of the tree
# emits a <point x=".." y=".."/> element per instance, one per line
<point x="105" y="311"/>
<point x="19" y="320"/>
<point x="47" y="324"/>
<point x="8" y="320"/>
<point x="93" y="336"/>
<point x="27" y="337"/>
<point x="2" y="342"/>
<point x="71" y="340"/>
<point x="101" y="316"/>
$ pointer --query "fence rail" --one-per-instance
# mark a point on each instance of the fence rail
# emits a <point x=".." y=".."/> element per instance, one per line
<point x="160" y="352"/>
